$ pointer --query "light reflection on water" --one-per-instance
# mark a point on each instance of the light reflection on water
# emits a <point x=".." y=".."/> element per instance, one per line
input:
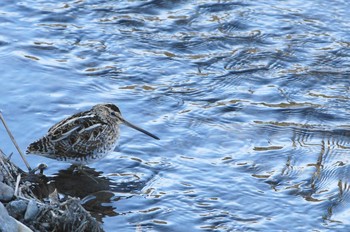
<point x="249" y="100"/>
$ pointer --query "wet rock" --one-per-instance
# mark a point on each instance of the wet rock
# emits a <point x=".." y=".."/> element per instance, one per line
<point x="7" y="223"/>
<point x="32" y="211"/>
<point x="22" y="227"/>
<point x="17" y="208"/>
<point x="6" y="192"/>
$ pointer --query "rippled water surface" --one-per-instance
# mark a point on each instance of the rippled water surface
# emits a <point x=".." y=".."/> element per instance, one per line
<point x="249" y="98"/>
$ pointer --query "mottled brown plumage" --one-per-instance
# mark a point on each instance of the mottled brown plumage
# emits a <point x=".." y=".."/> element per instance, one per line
<point x="83" y="137"/>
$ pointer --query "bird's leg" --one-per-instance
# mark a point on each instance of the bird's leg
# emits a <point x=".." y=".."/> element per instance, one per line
<point x="80" y="169"/>
<point x="77" y="168"/>
<point x="90" y="176"/>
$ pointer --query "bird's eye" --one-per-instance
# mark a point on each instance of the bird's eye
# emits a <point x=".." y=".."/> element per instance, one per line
<point x="112" y="113"/>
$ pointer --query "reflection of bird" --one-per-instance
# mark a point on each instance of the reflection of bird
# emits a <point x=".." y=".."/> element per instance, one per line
<point x="91" y="186"/>
<point x="83" y="137"/>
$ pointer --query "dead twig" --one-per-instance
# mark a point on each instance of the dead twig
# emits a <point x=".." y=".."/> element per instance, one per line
<point x="17" y="185"/>
<point x="14" y="142"/>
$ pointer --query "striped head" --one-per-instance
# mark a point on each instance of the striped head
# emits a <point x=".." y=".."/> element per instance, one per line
<point x="108" y="113"/>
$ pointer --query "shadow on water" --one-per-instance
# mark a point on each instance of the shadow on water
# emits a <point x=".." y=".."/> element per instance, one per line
<point x="97" y="192"/>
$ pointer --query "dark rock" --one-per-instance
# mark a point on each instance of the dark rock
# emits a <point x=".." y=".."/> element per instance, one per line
<point x="17" y="208"/>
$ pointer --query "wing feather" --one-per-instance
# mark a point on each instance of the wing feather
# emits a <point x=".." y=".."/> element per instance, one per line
<point x="78" y="134"/>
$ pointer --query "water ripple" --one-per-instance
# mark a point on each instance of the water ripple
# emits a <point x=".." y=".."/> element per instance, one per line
<point x="249" y="100"/>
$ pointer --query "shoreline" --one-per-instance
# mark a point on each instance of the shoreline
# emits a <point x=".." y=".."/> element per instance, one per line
<point x="28" y="202"/>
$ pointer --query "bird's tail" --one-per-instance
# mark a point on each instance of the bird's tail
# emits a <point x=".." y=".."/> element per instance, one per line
<point x="40" y="146"/>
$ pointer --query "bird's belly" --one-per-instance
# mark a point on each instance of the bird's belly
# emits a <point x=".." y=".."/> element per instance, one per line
<point x="86" y="157"/>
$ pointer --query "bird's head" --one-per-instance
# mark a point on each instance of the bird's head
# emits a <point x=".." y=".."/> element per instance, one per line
<point x="113" y="114"/>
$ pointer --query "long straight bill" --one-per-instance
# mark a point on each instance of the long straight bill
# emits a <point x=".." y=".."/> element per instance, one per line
<point x="139" y="129"/>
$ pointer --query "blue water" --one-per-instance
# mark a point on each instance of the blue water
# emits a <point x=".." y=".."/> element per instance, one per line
<point x="249" y="98"/>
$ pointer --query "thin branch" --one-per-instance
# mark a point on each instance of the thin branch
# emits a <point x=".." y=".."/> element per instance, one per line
<point x="14" y="142"/>
<point x="17" y="184"/>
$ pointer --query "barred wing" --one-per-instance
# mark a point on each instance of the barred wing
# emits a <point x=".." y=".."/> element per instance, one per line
<point x="78" y="135"/>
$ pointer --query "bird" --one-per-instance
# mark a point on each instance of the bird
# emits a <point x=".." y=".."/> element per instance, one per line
<point x="84" y="137"/>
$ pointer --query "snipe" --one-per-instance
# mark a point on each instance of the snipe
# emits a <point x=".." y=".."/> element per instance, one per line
<point x="84" y="136"/>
